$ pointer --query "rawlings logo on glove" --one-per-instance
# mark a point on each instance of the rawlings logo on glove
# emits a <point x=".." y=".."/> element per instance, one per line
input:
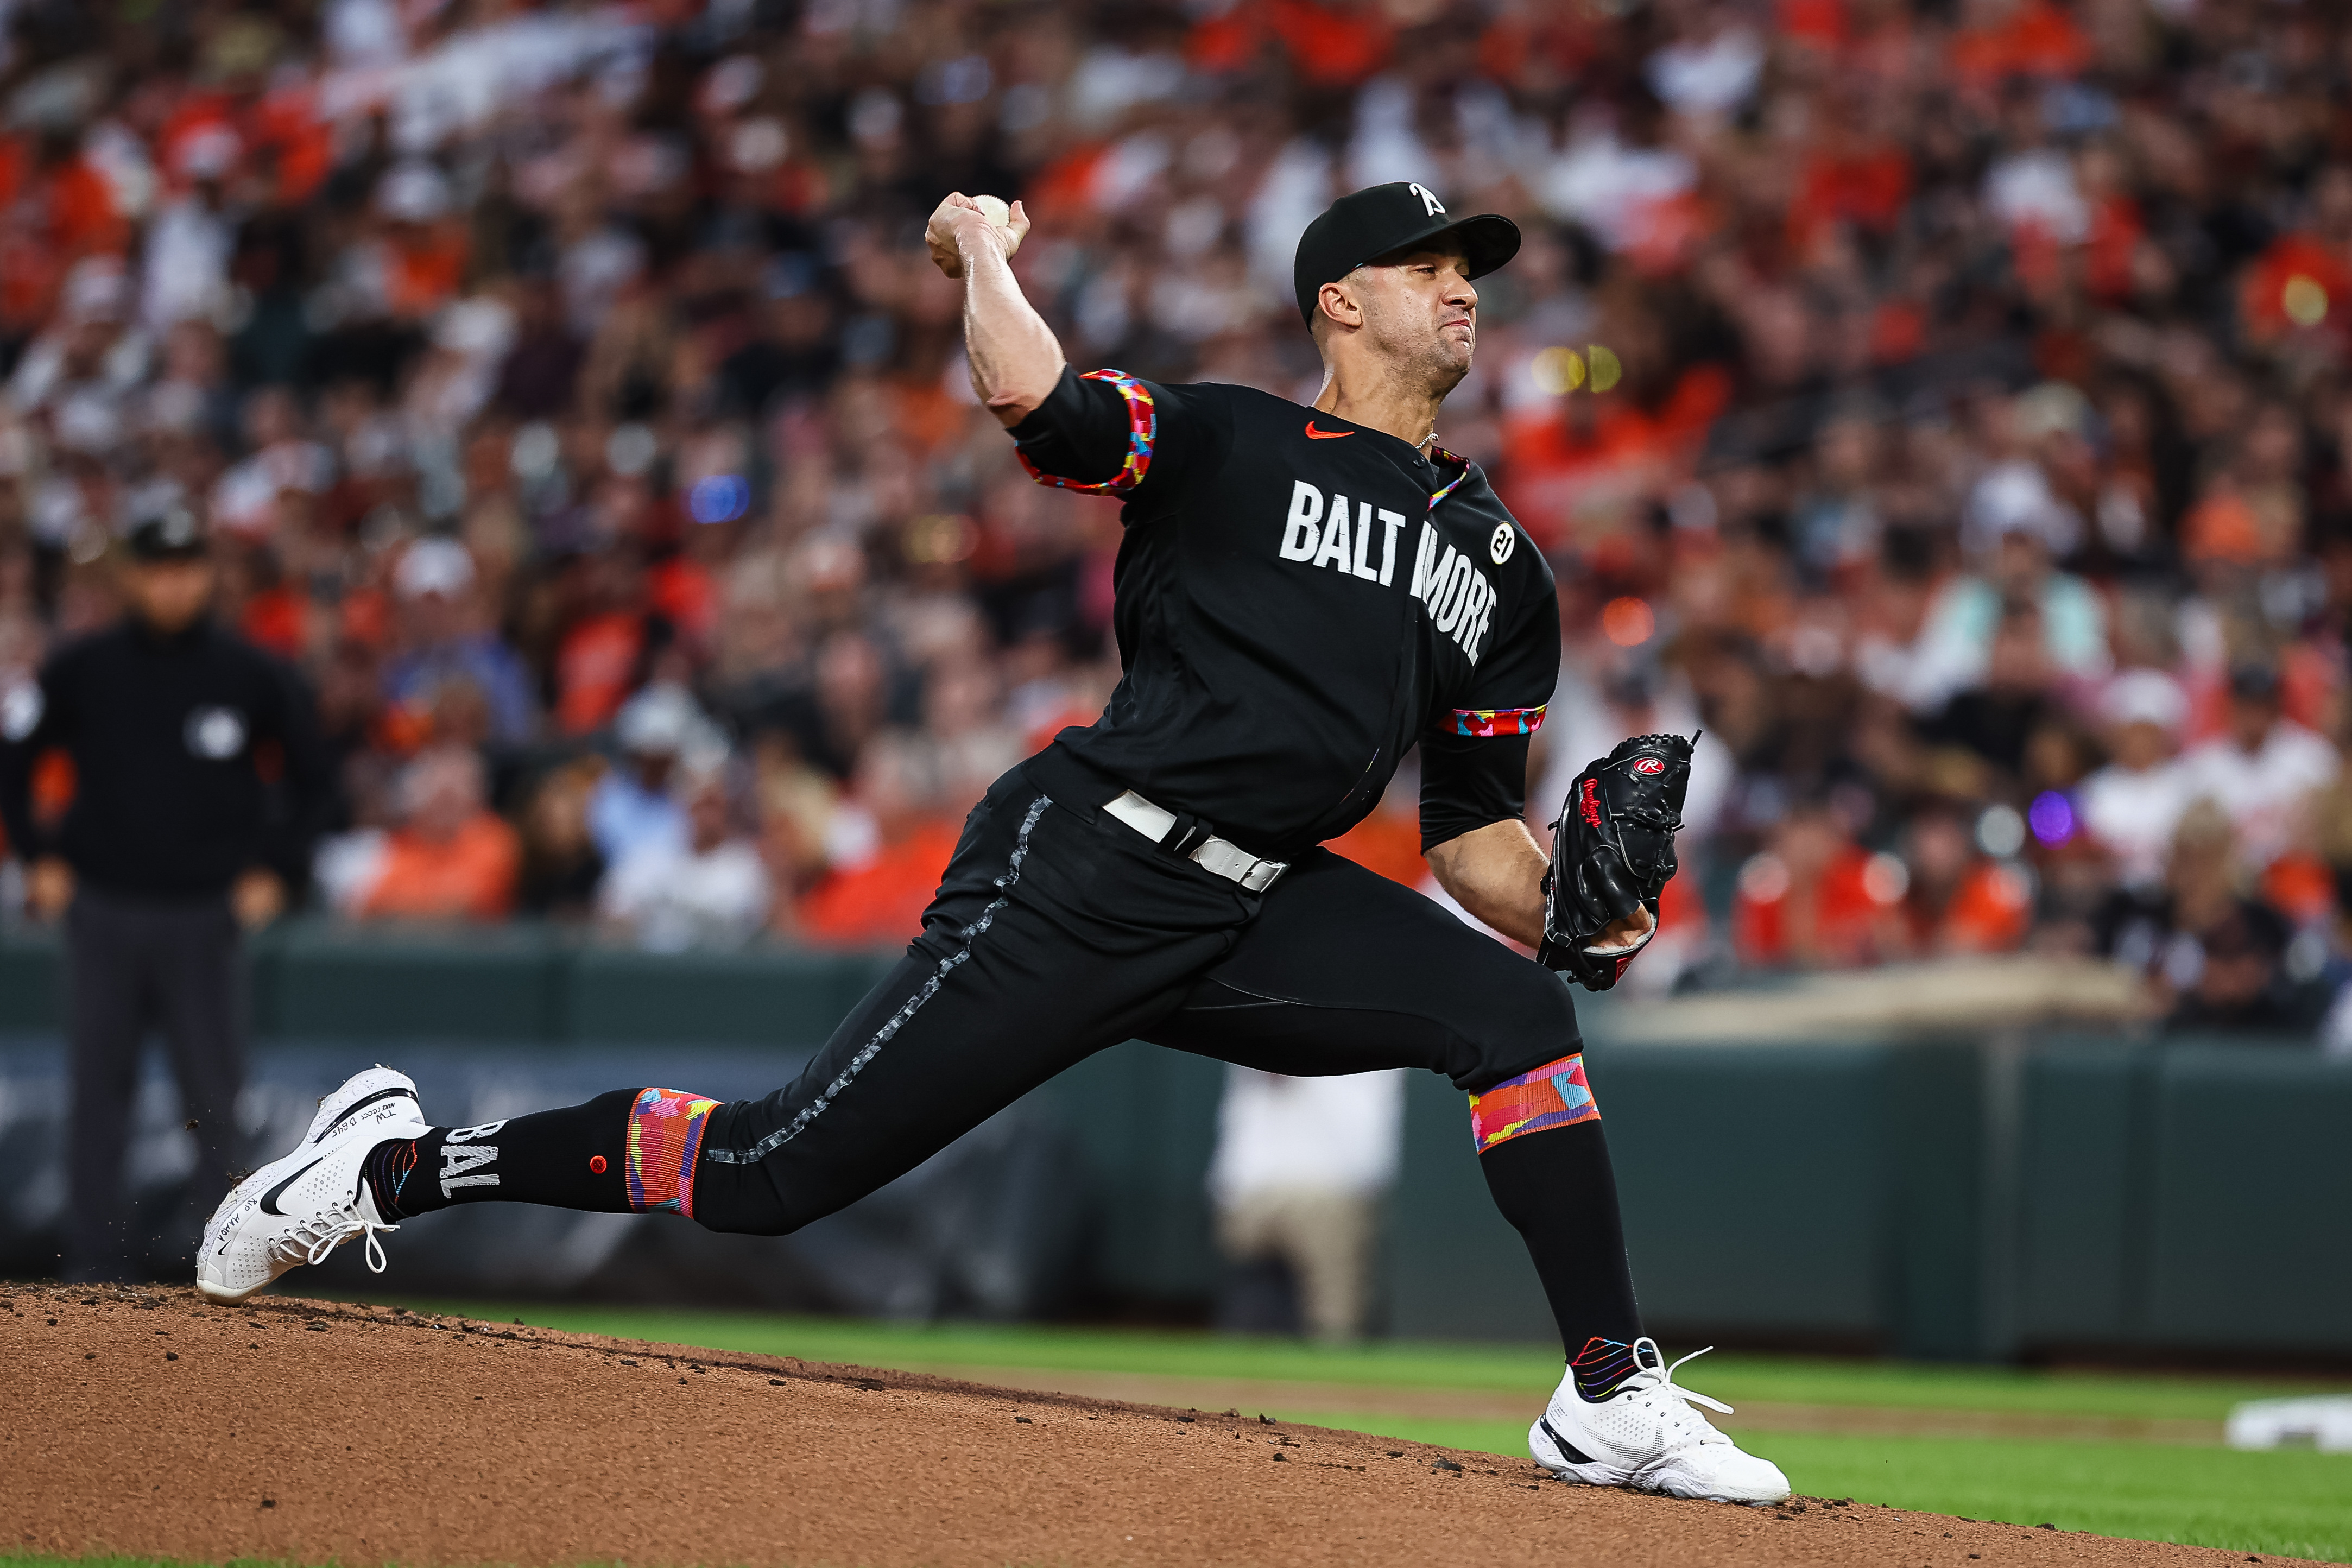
<point x="1613" y="852"/>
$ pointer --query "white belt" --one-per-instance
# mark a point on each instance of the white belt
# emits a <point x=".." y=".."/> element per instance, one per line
<point x="1212" y="854"/>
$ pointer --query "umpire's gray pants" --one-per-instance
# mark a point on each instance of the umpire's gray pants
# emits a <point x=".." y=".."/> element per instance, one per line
<point x="133" y="965"/>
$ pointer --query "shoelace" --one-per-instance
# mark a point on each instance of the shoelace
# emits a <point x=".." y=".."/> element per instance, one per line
<point x="1658" y="1382"/>
<point x="321" y="1233"/>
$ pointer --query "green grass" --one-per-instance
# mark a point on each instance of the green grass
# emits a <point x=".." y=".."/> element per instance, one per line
<point x="2291" y="1502"/>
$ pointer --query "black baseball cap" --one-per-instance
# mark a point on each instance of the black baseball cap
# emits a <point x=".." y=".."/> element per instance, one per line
<point x="1380" y="219"/>
<point x="171" y="535"/>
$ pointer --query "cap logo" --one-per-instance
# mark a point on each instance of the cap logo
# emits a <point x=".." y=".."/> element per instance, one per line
<point x="1431" y="204"/>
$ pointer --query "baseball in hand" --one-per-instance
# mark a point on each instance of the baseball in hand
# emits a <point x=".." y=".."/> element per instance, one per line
<point x="1011" y="225"/>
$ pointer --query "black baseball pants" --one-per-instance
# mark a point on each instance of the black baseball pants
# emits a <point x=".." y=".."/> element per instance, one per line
<point x="1058" y="931"/>
<point x="132" y="967"/>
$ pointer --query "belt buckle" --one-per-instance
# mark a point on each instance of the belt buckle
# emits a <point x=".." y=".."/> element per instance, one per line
<point x="1218" y="857"/>
<point x="1263" y="875"/>
<point x="1253" y="873"/>
<point x="1223" y="857"/>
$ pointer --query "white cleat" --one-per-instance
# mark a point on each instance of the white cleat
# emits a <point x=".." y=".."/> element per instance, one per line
<point x="1646" y="1435"/>
<point x="299" y="1209"/>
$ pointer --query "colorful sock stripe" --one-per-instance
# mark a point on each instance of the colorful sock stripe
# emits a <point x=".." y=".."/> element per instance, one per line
<point x="1602" y="1366"/>
<point x="665" y="1130"/>
<point x="1142" y="431"/>
<point x="1554" y="1095"/>
<point x="1485" y="723"/>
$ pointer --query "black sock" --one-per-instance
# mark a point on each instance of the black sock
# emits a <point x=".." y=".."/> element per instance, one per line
<point x="575" y="1158"/>
<point x="1556" y="1190"/>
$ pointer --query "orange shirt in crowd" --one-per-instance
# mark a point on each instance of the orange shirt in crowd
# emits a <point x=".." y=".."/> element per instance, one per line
<point x="61" y="217"/>
<point x="1774" y="923"/>
<point x="2034" y="39"/>
<point x="1821" y="23"/>
<point x="422" y="273"/>
<point x="884" y="900"/>
<point x="1539" y="40"/>
<point x="682" y="590"/>
<point x="2300" y="886"/>
<point x="470" y="875"/>
<point x="1857" y="914"/>
<point x="592" y="671"/>
<point x="83" y="218"/>
<point x="1990" y="913"/>
<point x="287" y="121"/>
<point x="1332" y="44"/>
<point x="1865" y="185"/>
<point x="925" y="414"/>
<point x="2226" y="526"/>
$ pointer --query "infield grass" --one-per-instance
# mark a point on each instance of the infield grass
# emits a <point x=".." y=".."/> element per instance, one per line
<point x="2297" y="1503"/>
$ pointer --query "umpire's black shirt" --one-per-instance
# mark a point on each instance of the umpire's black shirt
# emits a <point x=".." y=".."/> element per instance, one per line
<point x="164" y="732"/>
<point x="1301" y="599"/>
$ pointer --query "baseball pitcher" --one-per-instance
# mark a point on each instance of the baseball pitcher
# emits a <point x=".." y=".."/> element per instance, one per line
<point x="1305" y="593"/>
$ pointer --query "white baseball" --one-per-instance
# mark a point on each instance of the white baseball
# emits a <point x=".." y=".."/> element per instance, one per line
<point x="994" y="210"/>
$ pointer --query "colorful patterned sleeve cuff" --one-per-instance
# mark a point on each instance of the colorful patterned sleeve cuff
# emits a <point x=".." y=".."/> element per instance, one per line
<point x="1487" y="722"/>
<point x="1554" y="1095"/>
<point x="1142" y="430"/>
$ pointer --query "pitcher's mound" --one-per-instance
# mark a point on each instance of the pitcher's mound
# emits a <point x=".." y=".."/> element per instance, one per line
<point x="153" y="1425"/>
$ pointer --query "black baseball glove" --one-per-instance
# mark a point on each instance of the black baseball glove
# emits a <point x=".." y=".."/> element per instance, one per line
<point x="1613" y="851"/>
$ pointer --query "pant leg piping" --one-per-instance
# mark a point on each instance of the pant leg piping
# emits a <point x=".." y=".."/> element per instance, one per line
<point x="897" y="1020"/>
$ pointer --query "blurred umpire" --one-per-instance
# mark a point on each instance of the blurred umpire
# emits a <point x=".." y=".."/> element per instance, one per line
<point x="198" y="778"/>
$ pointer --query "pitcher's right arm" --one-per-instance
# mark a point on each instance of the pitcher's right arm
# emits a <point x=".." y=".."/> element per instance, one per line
<point x="1016" y="360"/>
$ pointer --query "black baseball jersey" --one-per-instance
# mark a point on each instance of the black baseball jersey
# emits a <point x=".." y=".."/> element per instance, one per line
<point x="168" y="801"/>
<point x="1300" y="600"/>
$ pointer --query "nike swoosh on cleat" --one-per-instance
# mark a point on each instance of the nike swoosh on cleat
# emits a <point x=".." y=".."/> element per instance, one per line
<point x="1314" y="435"/>
<point x="1569" y="1450"/>
<point x="270" y="1198"/>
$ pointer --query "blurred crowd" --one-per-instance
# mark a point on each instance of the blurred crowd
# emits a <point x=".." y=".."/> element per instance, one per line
<point x="1944" y="403"/>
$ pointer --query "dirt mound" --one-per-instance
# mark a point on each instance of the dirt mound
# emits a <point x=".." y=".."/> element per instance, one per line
<point x="149" y="1422"/>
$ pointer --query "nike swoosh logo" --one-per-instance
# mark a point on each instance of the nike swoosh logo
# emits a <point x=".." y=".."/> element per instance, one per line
<point x="270" y="1198"/>
<point x="1568" y="1450"/>
<point x="1314" y="435"/>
